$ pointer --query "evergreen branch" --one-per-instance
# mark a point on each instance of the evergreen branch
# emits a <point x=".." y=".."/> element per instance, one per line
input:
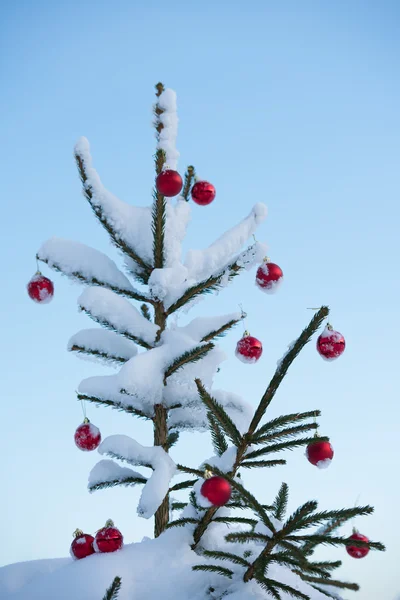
<point x="308" y="548"/>
<point x="189" y="177"/>
<point x="281" y="501"/>
<point x="324" y="592"/>
<point x="336" y="541"/>
<point x="271" y="591"/>
<point x="98" y="354"/>
<point x="262" y="463"/>
<point x="115" y="405"/>
<point x="219" y="555"/>
<point x="242" y="520"/>
<point x="243" y="537"/>
<point x="284" y="365"/>
<point x="222" y="330"/>
<point x="279" y="422"/>
<point x="190" y="471"/>
<point x="122" y="458"/>
<point x="288" y="445"/>
<point x="296" y="520"/>
<point x="219" y="414"/>
<point x="181" y="522"/>
<point x="343" y="585"/>
<point x="158" y="226"/>
<point x="339" y="515"/>
<point x="183" y="485"/>
<point x="172" y="439"/>
<point x="327" y="565"/>
<point x="285" y="433"/>
<point x="206" y="286"/>
<point x="113" y="591"/>
<point x="191" y="356"/>
<point x="126" y="482"/>
<point x="178" y="505"/>
<point x="290" y="591"/>
<point x="81" y="278"/>
<point x="108" y="325"/>
<point x="145" y="311"/>
<point x="217" y="436"/>
<point x="214" y="569"/>
<point x="145" y="269"/>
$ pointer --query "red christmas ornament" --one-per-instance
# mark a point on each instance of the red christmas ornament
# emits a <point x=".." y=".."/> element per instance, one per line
<point x="169" y="183"/>
<point x="203" y="193"/>
<point x="269" y="276"/>
<point x="40" y="289"/>
<point x="87" y="436"/>
<point x="330" y="344"/>
<point x="82" y="546"/>
<point x="320" y="454"/>
<point x="217" y="490"/>
<point x="353" y="550"/>
<point x="108" y="539"/>
<point x="248" y="349"/>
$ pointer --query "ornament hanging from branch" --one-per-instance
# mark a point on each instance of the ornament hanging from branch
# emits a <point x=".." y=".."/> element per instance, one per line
<point x="203" y="193"/>
<point x="217" y="490"/>
<point x="330" y="344"/>
<point x="169" y="183"/>
<point x="269" y="276"/>
<point x="355" y="552"/>
<point x="87" y="436"/>
<point x="248" y="349"/>
<point x="40" y="288"/>
<point x="320" y="454"/>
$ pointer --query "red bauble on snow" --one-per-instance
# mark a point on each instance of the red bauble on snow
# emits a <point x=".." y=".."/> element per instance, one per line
<point x="87" y="436"/>
<point x="82" y="546"/>
<point x="169" y="183"/>
<point x="40" y="289"/>
<point x="108" y="539"/>
<point x="203" y="193"/>
<point x="330" y="343"/>
<point x="217" y="490"/>
<point x="353" y="550"/>
<point x="320" y="454"/>
<point x="248" y="349"/>
<point x="269" y="277"/>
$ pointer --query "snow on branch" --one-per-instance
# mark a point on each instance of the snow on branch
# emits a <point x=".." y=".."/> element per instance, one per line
<point x="169" y="131"/>
<point x="108" y="474"/>
<point x="105" y="390"/>
<point x="204" y="329"/>
<point x="102" y="344"/>
<point x="201" y="264"/>
<point x="129" y="227"/>
<point x="164" y="468"/>
<point x="84" y="264"/>
<point x="118" y="314"/>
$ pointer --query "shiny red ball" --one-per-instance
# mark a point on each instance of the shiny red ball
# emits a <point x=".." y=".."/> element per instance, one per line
<point x="248" y="349"/>
<point x="320" y="454"/>
<point x="82" y="546"/>
<point x="40" y="289"/>
<point x="169" y="183"/>
<point x="108" y="539"/>
<point x="203" y="193"/>
<point x="269" y="277"/>
<point x="87" y="436"/>
<point x="358" y="552"/>
<point x="330" y="344"/>
<point x="217" y="490"/>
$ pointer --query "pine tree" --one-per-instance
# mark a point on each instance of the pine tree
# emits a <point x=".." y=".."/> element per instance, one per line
<point x="169" y="382"/>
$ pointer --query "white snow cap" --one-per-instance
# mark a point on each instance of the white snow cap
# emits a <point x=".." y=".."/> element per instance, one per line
<point x="103" y="341"/>
<point x="162" y="464"/>
<point x="168" y="135"/>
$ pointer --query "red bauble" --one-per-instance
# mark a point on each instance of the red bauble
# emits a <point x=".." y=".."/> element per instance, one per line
<point x="40" y="289"/>
<point x="269" y="277"/>
<point x="87" y="436"/>
<point x="203" y="193"/>
<point x="320" y="454"/>
<point x="358" y="552"/>
<point x="217" y="490"/>
<point x="108" y="539"/>
<point x="169" y="183"/>
<point x="248" y="349"/>
<point x="330" y="343"/>
<point x="82" y="546"/>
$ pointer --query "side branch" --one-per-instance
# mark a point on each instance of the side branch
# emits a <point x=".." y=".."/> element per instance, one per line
<point x="115" y="405"/>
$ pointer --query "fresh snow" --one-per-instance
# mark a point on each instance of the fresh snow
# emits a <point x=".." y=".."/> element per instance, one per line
<point x="106" y="387"/>
<point x="105" y="306"/>
<point x="104" y="342"/>
<point x="200" y="327"/>
<point x="164" y="468"/>
<point x="73" y="257"/>
<point x="108" y="470"/>
<point x="169" y="118"/>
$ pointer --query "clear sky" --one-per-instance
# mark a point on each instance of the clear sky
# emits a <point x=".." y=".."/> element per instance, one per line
<point x="295" y="104"/>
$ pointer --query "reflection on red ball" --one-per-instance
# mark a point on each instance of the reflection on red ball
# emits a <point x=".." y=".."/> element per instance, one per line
<point x="108" y="539"/>
<point x="87" y="436"/>
<point x="40" y="289"/>
<point x="169" y="183"/>
<point x="330" y="344"/>
<point x="269" y="277"/>
<point x="320" y="454"/>
<point x="248" y="349"/>
<point x="358" y="552"/>
<point x="203" y="193"/>
<point x="217" y="490"/>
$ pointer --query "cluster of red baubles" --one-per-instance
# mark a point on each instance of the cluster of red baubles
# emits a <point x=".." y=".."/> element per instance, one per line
<point x="107" y="539"/>
<point x="169" y="183"/>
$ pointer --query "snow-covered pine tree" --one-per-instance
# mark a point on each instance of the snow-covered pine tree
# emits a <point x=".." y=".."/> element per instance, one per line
<point x="170" y="383"/>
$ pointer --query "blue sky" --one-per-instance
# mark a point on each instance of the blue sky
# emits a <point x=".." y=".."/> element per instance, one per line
<point x="293" y="104"/>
